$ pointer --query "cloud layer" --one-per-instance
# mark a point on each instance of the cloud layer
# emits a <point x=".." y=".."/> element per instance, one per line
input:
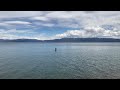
<point x="91" y="32"/>
<point x="29" y="24"/>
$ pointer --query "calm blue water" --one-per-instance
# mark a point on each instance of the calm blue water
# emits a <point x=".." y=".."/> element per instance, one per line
<point x="20" y="60"/>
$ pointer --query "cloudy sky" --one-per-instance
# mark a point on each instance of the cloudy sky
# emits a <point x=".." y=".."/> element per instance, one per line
<point x="44" y="25"/>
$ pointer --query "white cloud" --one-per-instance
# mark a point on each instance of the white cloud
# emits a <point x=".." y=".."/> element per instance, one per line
<point x="44" y="24"/>
<point x="64" y="14"/>
<point x="77" y="19"/>
<point x="18" y="14"/>
<point x="41" y="18"/>
<point x="11" y="37"/>
<point x="22" y="34"/>
<point x="48" y="24"/>
<point x="14" y="31"/>
<point x="4" y="24"/>
<point x="90" y="32"/>
<point x="72" y="34"/>
<point x="17" y="22"/>
<point x="59" y="14"/>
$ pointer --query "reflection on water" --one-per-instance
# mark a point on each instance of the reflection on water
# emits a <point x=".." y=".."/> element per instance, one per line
<point x="71" y="60"/>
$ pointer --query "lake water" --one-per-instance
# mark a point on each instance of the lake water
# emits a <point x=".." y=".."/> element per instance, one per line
<point x="32" y="60"/>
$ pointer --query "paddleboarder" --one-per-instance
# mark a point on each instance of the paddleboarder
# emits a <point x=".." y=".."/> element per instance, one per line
<point x="55" y="49"/>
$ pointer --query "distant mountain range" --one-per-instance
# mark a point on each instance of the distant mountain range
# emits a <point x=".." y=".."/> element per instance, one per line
<point x="65" y="40"/>
<point x="20" y="40"/>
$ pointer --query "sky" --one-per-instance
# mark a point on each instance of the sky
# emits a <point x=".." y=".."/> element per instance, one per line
<point x="46" y="25"/>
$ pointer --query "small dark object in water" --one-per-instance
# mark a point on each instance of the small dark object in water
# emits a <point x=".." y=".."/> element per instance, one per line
<point x="55" y="49"/>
